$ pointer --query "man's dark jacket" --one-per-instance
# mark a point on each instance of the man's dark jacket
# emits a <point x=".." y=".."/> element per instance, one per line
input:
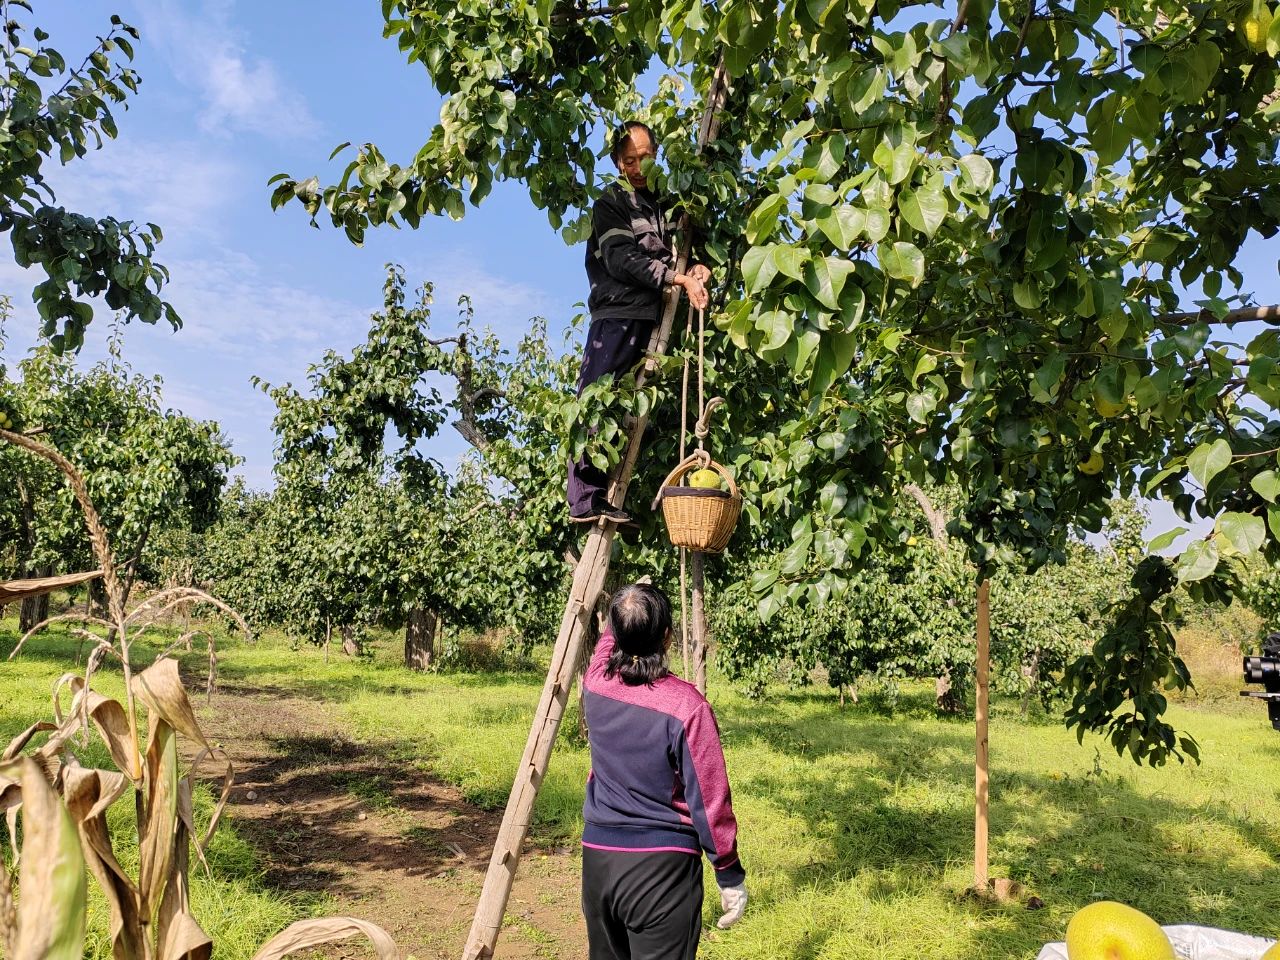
<point x="629" y="257"/>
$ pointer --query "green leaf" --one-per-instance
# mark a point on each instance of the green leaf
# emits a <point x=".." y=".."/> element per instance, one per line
<point x="1208" y="460"/>
<point x="790" y="261"/>
<point x="920" y="405"/>
<point x="835" y="356"/>
<point x="763" y="222"/>
<point x="924" y="209"/>
<point x="1107" y="133"/>
<point x="902" y="261"/>
<point x="976" y="171"/>
<point x="825" y="277"/>
<point x="1243" y="531"/>
<point x="758" y="268"/>
<point x="777" y="327"/>
<point x="1198" y="561"/>
<point x="1047" y="378"/>
<point x="1165" y="539"/>
<point x="895" y="155"/>
<point x="1267" y="485"/>
<point x="878" y="223"/>
<point x="843" y="225"/>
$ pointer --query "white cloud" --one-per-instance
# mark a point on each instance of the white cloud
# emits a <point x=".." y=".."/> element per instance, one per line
<point x="182" y="186"/>
<point x="240" y="92"/>
<point x="238" y="323"/>
<point x="503" y="305"/>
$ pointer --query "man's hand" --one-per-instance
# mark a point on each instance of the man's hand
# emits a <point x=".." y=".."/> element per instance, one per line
<point x="700" y="273"/>
<point x="694" y="290"/>
<point x="733" y="901"/>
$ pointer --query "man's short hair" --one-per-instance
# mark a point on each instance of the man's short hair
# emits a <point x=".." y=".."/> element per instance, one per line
<point x="620" y="138"/>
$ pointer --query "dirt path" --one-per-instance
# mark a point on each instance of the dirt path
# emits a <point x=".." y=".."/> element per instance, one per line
<point x="380" y="839"/>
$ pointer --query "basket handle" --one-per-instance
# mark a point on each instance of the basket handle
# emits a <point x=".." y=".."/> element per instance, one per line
<point x="701" y="459"/>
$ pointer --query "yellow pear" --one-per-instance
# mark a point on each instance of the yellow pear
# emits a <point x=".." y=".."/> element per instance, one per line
<point x="1107" y="930"/>
<point x="705" y="479"/>
<point x="1273" y="952"/>
<point x="1254" y="26"/>
<point x="1092" y="466"/>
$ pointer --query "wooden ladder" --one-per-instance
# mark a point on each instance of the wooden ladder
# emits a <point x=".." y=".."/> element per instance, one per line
<point x="588" y="580"/>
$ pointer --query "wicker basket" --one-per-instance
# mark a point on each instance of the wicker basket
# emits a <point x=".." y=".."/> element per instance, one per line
<point x="699" y="519"/>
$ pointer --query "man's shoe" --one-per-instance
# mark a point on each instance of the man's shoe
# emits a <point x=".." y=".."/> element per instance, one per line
<point x="608" y="513"/>
<point x="616" y="515"/>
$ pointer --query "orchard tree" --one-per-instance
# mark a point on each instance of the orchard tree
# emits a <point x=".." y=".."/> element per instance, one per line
<point x="949" y="247"/>
<point x="363" y="526"/>
<point x="909" y="614"/>
<point x="149" y="469"/>
<point x="50" y="109"/>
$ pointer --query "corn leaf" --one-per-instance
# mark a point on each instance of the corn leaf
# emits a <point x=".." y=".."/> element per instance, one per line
<point x="22" y="739"/>
<point x="178" y="934"/>
<point x="228" y="781"/>
<point x="305" y="934"/>
<point x="112" y="724"/>
<point x="51" y="874"/>
<point x="160" y="688"/>
<point x="158" y="820"/>
<point x="89" y="794"/>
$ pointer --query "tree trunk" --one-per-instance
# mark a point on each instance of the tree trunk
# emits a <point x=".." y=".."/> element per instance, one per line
<point x="29" y="607"/>
<point x="349" y="645"/>
<point x="420" y="639"/>
<point x="1030" y="673"/>
<point x="982" y="769"/>
<point x="34" y="609"/>
<point x="947" y="697"/>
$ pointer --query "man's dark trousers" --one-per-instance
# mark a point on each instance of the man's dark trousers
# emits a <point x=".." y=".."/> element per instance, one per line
<point x="613" y="346"/>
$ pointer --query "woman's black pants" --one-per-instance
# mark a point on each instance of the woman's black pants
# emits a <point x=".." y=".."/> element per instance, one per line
<point x="641" y="906"/>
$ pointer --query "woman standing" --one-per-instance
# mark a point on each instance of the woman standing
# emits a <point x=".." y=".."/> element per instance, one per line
<point x="657" y="795"/>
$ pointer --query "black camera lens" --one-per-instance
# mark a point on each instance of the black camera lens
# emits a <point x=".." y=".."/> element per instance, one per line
<point x="1260" y="669"/>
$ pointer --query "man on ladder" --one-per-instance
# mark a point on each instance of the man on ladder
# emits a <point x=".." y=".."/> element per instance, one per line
<point x="630" y="262"/>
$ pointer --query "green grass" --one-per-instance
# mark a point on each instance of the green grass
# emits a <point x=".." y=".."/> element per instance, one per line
<point x="856" y="827"/>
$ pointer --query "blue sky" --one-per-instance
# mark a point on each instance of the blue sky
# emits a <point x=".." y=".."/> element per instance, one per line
<point x="234" y="92"/>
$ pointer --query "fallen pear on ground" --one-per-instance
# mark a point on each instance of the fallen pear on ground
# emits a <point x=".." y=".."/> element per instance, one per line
<point x="1107" y="930"/>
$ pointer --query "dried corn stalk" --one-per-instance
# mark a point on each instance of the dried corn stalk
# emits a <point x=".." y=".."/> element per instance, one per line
<point x="63" y="805"/>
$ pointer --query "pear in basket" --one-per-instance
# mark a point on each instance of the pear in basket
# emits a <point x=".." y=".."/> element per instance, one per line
<point x="1112" y="931"/>
<point x="705" y="479"/>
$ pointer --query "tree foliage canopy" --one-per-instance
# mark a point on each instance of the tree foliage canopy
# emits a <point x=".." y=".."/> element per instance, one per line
<point x="49" y="108"/>
<point x="150" y="470"/>
<point x="948" y="248"/>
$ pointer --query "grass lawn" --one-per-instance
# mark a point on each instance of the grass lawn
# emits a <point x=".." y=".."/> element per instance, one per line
<point x="856" y="827"/>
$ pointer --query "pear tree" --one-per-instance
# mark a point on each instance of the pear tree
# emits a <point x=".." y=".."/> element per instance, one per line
<point x="988" y="244"/>
<point x="55" y="108"/>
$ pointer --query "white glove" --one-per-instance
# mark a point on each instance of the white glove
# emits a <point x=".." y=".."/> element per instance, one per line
<point x="733" y="901"/>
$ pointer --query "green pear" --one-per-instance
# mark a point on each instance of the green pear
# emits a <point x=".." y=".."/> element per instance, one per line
<point x="705" y="479"/>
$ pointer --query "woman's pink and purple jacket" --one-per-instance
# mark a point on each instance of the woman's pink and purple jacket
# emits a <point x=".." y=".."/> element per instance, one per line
<point x="658" y="779"/>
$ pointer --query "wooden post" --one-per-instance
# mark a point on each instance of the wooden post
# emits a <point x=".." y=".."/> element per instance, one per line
<point x="588" y="580"/>
<point x="981" y="777"/>
<point x="699" y="626"/>
<point x="684" y="615"/>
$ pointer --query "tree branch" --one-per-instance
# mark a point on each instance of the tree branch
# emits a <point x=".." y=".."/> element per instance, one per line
<point x="572" y="16"/>
<point x="1243" y="315"/>
<point x="937" y="521"/>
